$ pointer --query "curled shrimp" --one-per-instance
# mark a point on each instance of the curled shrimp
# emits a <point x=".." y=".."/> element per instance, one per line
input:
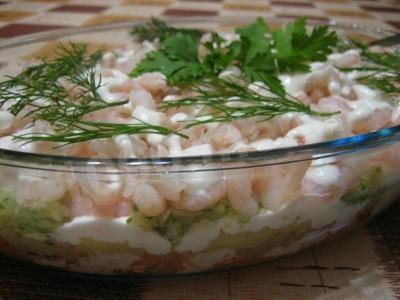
<point x="334" y="104"/>
<point x="224" y="136"/>
<point x="200" y="199"/>
<point x="103" y="189"/>
<point x="147" y="199"/>
<point x="322" y="181"/>
<point x="280" y="184"/>
<point x="35" y="188"/>
<point x="370" y="112"/>
<point x="155" y="83"/>
<point x="323" y="83"/>
<point x="142" y="97"/>
<point x="350" y="58"/>
<point x="240" y="191"/>
<point x="170" y="187"/>
<point x="365" y="118"/>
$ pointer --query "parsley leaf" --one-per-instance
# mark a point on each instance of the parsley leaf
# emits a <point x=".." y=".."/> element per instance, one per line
<point x="253" y="41"/>
<point x="218" y="57"/>
<point x="260" y="53"/>
<point x="295" y="47"/>
<point x="255" y="55"/>
<point x="177" y="60"/>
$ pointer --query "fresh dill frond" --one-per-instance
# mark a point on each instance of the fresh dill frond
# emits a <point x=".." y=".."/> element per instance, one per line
<point x="228" y="101"/>
<point x="157" y="29"/>
<point x="90" y="130"/>
<point x="68" y="78"/>
<point x="63" y="91"/>
<point x="380" y="69"/>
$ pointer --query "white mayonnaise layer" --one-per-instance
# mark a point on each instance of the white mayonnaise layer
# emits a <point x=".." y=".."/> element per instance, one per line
<point x="111" y="231"/>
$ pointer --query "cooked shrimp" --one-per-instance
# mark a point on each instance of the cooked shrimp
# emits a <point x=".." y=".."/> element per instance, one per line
<point x="323" y="83"/>
<point x="286" y="122"/>
<point x="322" y="182"/>
<point x="224" y="136"/>
<point x="80" y="205"/>
<point x="240" y="191"/>
<point x="155" y="83"/>
<point x="370" y="112"/>
<point x="348" y="59"/>
<point x="102" y="147"/>
<point x="147" y="199"/>
<point x="130" y="146"/>
<point x="316" y="131"/>
<point x="253" y="129"/>
<point x="103" y="189"/>
<point x="170" y="187"/>
<point x="33" y="189"/>
<point x="378" y="119"/>
<point x="148" y="115"/>
<point x="334" y="104"/>
<point x="200" y="199"/>
<point x="143" y="98"/>
<point x="330" y="181"/>
<point x="279" y="185"/>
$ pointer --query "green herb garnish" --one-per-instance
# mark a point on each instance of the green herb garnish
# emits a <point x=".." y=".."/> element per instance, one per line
<point x="158" y="29"/>
<point x="227" y="101"/>
<point x="260" y="53"/>
<point x="177" y="60"/>
<point x="87" y="130"/>
<point x="62" y="91"/>
<point x="382" y="69"/>
<point x="59" y="82"/>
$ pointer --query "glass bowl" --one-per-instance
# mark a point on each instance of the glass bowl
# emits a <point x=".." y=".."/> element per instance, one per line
<point x="203" y="235"/>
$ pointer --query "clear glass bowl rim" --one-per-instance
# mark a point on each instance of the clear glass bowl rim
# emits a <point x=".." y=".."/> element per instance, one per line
<point x="336" y="147"/>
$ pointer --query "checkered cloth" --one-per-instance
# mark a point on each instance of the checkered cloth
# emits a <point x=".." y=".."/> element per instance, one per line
<point x="361" y="264"/>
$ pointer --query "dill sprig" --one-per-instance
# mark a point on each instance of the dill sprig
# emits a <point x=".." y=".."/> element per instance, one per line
<point x="228" y="101"/>
<point x="62" y="91"/>
<point x="381" y="69"/>
<point x="157" y="29"/>
<point x="66" y="83"/>
<point x="90" y="130"/>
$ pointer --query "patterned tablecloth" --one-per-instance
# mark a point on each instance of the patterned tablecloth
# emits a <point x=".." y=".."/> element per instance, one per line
<point x="361" y="264"/>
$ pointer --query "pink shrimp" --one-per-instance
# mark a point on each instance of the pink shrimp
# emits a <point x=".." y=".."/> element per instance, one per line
<point x="224" y="136"/>
<point x="155" y="83"/>
<point x="334" y="104"/>
<point x="240" y="191"/>
<point x="319" y="84"/>
<point x="348" y="59"/>
<point x="200" y="199"/>
<point x="270" y="180"/>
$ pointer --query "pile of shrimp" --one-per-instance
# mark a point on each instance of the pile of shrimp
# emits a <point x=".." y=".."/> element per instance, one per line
<point x="325" y="89"/>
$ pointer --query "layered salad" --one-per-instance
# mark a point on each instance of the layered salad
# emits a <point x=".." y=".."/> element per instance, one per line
<point x="174" y="92"/>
